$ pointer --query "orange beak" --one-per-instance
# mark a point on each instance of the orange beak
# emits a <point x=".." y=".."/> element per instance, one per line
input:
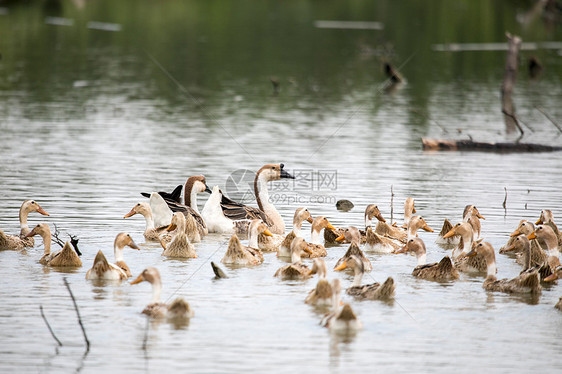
<point x="413" y="209"/>
<point x="510" y="248"/>
<point x="138" y="280"/>
<point x="340" y="238"/>
<point x="309" y="219"/>
<point x="342" y="266"/>
<point x="515" y="233"/>
<point x="330" y="226"/>
<point x="42" y="211"/>
<point x="267" y="232"/>
<point x="404" y="249"/>
<point x="134" y="245"/>
<point x="380" y="217"/>
<point x="427" y="228"/>
<point x="532" y="236"/>
<point x="471" y="253"/>
<point x="539" y="222"/>
<point x="172" y="227"/>
<point x="307" y="250"/>
<point x="480" y="216"/>
<point x="552" y="277"/>
<point x="131" y="213"/>
<point x="451" y="233"/>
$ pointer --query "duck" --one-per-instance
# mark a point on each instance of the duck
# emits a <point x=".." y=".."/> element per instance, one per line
<point x="316" y="248"/>
<point x="378" y="243"/>
<point x="547" y="218"/>
<point x="409" y="209"/>
<point x="523" y="246"/>
<point x="352" y="235"/>
<point x="453" y="240"/>
<point x="177" y="309"/>
<point x="266" y="211"/>
<point x="371" y="211"/>
<point x="341" y="319"/>
<point x="471" y="215"/>
<point x="437" y="271"/>
<point x="13" y="242"/>
<point x="121" y="241"/>
<point x="546" y="234"/>
<point x="538" y="255"/>
<point x="526" y="282"/>
<point x="151" y="233"/>
<point x="180" y="246"/>
<point x="301" y="214"/>
<point x="374" y="291"/>
<point x="321" y="295"/>
<point x="238" y="254"/>
<point x="469" y="264"/>
<point x="556" y="274"/>
<point x="65" y="257"/>
<point x="295" y="270"/>
<point x="103" y="269"/>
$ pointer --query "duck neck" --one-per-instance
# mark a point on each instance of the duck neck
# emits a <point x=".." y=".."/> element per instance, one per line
<point x="149" y="220"/>
<point x="262" y="196"/>
<point x="466" y="245"/>
<point x="315" y="237"/>
<point x="47" y="243"/>
<point x="118" y="252"/>
<point x="552" y="246"/>
<point x="295" y="257"/>
<point x="23" y="220"/>
<point x="421" y="258"/>
<point x="156" y="291"/>
<point x="527" y="258"/>
<point x="491" y="268"/>
<point x="368" y="222"/>
<point x="357" y="279"/>
<point x="412" y="231"/>
<point x="297" y="227"/>
<point x="253" y="238"/>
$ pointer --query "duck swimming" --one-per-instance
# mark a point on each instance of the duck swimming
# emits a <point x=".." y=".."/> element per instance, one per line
<point x="441" y="271"/>
<point x="295" y="270"/>
<point x="374" y="291"/>
<point x="238" y="254"/>
<point x="321" y="295"/>
<point x="150" y="232"/>
<point x="301" y="214"/>
<point x="177" y="309"/>
<point x="342" y="319"/>
<point x="538" y="255"/>
<point x="547" y="218"/>
<point x="180" y="246"/>
<point x="526" y="282"/>
<point x="65" y="257"/>
<point x="353" y="235"/>
<point x="470" y="264"/>
<point x="13" y="242"/>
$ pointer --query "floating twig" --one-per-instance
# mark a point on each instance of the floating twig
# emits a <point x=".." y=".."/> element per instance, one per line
<point x="55" y="236"/>
<point x="549" y="118"/>
<point x="505" y="200"/>
<point x="78" y="314"/>
<point x="49" y="326"/>
<point x="145" y="339"/>
<point x="391" y="203"/>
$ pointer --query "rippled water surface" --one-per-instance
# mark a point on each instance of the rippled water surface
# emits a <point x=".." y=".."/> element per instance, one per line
<point x="90" y="118"/>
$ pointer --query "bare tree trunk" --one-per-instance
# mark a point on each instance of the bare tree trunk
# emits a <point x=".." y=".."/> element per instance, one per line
<point x="509" y="79"/>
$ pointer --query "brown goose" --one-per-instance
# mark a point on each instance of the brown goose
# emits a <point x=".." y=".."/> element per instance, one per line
<point x="322" y="294"/>
<point x="13" y="242"/>
<point x="441" y="271"/>
<point x="353" y="235"/>
<point x="65" y="257"/>
<point x="295" y="270"/>
<point x="526" y="282"/>
<point x="177" y="309"/>
<point x="374" y="291"/>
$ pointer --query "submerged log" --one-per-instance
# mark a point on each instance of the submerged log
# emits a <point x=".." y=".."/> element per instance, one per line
<point x="469" y="145"/>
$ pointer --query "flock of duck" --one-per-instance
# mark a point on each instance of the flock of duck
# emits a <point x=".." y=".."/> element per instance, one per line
<point x="178" y="225"/>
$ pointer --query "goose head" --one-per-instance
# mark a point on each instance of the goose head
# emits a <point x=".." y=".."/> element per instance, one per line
<point x="545" y="217"/>
<point x="525" y="228"/>
<point x="29" y="206"/>
<point x="372" y="211"/>
<point x="409" y="207"/>
<point x="140" y="208"/>
<point x="273" y="172"/>
<point x="353" y="262"/>
<point x="197" y="183"/>
<point x="123" y="240"/>
<point x="320" y="223"/>
<point x="302" y="214"/>
<point x="351" y="235"/>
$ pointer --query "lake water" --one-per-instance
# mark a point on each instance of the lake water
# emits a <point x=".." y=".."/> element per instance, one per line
<point x="93" y="114"/>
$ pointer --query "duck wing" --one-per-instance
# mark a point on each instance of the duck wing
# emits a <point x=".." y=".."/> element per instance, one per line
<point x="238" y="211"/>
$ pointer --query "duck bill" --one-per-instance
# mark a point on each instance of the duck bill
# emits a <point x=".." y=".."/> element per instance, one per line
<point x="515" y="233"/>
<point x="404" y="249"/>
<point x="30" y="234"/>
<point x="532" y="236"/>
<point x="310" y="220"/>
<point x="267" y="233"/>
<point x="172" y="227"/>
<point x="342" y="266"/>
<point x="42" y="211"/>
<point x="307" y="250"/>
<point x="480" y="216"/>
<point x="340" y="238"/>
<point x="134" y="245"/>
<point x="330" y="226"/>
<point x="509" y="249"/>
<point x="470" y="254"/>
<point x="450" y="234"/>
<point x="539" y="222"/>
<point x="284" y="174"/>
<point x="551" y="278"/>
<point x="130" y="214"/>
<point x="427" y="228"/>
<point x="138" y="280"/>
<point x="413" y="210"/>
<point x="380" y="217"/>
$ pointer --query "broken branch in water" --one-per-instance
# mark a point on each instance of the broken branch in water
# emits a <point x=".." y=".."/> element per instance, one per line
<point x="504" y="204"/>
<point x="391" y="203"/>
<point x="516" y="123"/>
<point x="73" y="240"/>
<point x="49" y="326"/>
<point x="469" y="145"/>
<point x="55" y="236"/>
<point x="78" y="314"/>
